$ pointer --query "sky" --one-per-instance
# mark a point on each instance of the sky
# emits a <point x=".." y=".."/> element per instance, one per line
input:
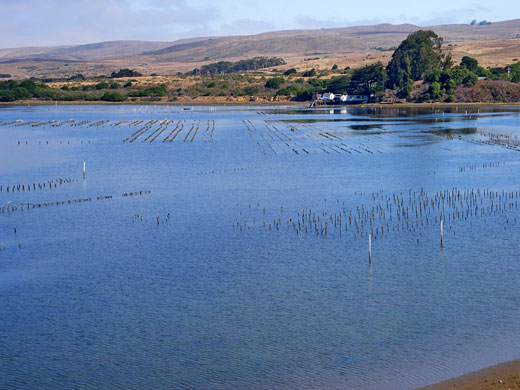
<point x="68" y="22"/>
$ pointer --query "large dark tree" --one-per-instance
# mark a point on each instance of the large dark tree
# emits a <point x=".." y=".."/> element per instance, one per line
<point x="368" y="80"/>
<point x="469" y="63"/>
<point x="338" y="84"/>
<point x="416" y="56"/>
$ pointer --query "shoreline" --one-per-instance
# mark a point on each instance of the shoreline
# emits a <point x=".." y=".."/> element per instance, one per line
<point x="503" y="376"/>
<point x="252" y="104"/>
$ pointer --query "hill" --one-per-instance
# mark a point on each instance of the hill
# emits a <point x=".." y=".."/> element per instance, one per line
<point x="350" y="46"/>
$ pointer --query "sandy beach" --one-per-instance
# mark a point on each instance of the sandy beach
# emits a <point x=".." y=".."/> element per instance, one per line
<point x="504" y="376"/>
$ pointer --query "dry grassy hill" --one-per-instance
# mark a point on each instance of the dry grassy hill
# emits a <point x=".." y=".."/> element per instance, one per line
<point x="493" y="45"/>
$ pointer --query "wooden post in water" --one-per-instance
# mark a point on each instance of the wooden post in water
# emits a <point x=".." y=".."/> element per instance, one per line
<point x="442" y="234"/>
<point x="370" y="249"/>
<point x="83" y="170"/>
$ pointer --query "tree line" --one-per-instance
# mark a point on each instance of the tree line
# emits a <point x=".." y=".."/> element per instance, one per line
<point x="239" y="66"/>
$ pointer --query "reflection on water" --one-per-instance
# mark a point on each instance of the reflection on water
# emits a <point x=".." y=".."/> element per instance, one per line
<point x="219" y="248"/>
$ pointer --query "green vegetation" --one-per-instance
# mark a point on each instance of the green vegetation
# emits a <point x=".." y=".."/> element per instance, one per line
<point x="155" y="91"/>
<point x="469" y="63"/>
<point x="367" y="80"/>
<point x="239" y="66"/>
<point x="443" y="83"/>
<point x="274" y="83"/>
<point x="507" y="73"/>
<point x="309" y="73"/>
<point x="13" y="90"/>
<point x="102" y="85"/>
<point x="113" y="97"/>
<point x="416" y="56"/>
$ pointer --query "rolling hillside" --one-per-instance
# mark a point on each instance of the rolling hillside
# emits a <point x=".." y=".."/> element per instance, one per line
<point x="350" y="46"/>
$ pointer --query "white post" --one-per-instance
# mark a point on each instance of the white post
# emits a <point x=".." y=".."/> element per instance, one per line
<point x="83" y="170"/>
<point x="370" y="248"/>
<point x="442" y="234"/>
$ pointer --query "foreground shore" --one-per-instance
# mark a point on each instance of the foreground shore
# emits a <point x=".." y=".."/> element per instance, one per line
<point x="502" y="376"/>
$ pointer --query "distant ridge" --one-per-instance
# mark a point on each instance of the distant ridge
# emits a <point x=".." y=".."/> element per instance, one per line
<point x="270" y="43"/>
<point x="87" y="52"/>
<point x="296" y="46"/>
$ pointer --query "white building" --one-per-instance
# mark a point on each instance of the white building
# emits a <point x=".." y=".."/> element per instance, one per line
<point x="357" y="98"/>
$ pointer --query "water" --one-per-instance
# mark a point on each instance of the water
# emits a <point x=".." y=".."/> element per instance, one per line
<point x="97" y="294"/>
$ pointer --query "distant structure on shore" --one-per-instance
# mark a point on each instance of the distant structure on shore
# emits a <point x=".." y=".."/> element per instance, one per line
<point x="329" y="98"/>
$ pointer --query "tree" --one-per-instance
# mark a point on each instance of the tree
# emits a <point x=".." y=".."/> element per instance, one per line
<point x="155" y="91"/>
<point x="274" y="83"/>
<point x="435" y="91"/>
<point x="291" y="90"/>
<point x="230" y="67"/>
<point x="125" y="73"/>
<point x="102" y="85"/>
<point x="368" y="80"/>
<point x="338" y="84"/>
<point x="416" y="56"/>
<point x="113" y="97"/>
<point x="469" y="63"/>
<point x="29" y="85"/>
<point x="448" y="62"/>
<point x="6" y="96"/>
<point x="515" y="72"/>
<point x="309" y="73"/>
<point x="454" y="77"/>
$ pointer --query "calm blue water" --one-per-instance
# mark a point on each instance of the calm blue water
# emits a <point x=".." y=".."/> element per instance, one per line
<point x="240" y="260"/>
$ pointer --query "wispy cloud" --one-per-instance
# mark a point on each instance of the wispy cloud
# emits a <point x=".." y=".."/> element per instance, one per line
<point x="244" y="26"/>
<point x="34" y="22"/>
<point x="303" y="21"/>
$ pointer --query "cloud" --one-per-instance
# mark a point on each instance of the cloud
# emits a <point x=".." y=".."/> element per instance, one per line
<point x="35" y="23"/>
<point x="305" y="22"/>
<point x="243" y="27"/>
<point x="457" y="15"/>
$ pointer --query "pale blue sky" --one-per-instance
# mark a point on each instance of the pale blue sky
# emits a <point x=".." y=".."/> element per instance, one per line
<point x="59" y="22"/>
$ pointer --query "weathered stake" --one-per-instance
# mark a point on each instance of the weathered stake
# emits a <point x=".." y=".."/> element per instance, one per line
<point x="370" y="248"/>
<point x="442" y="234"/>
